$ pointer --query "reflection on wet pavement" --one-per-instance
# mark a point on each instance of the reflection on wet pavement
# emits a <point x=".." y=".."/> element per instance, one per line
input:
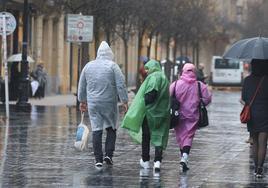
<point x="37" y="150"/>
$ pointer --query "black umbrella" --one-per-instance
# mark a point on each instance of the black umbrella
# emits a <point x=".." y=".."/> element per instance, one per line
<point x="251" y="48"/>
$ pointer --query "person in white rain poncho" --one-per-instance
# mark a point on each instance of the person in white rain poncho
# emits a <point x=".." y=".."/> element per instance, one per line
<point x="101" y="83"/>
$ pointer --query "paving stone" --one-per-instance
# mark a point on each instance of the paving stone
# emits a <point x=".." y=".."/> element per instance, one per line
<point x="37" y="151"/>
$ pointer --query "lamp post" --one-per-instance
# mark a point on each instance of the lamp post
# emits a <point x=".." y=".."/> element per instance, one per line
<point x="24" y="78"/>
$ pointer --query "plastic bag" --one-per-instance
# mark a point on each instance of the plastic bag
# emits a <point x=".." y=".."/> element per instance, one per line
<point x="82" y="135"/>
<point x="34" y="85"/>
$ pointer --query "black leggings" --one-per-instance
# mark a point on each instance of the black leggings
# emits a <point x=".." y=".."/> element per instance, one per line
<point x="146" y="138"/>
<point x="186" y="149"/>
<point x="259" y="147"/>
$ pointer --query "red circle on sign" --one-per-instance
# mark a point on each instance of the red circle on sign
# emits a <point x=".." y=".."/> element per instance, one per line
<point x="80" y="25"/>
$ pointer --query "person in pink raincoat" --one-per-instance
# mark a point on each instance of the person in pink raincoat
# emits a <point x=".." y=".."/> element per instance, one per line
<point x="186" y="92"/>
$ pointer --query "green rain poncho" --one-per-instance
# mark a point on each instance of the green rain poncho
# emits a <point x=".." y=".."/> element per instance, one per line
<point x="157" y="113"/>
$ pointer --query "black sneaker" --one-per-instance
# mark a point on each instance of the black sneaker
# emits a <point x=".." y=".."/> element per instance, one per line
<point x="108" y="160"/>
<point x="259" y="173"/>
<point x="255" y="171"/>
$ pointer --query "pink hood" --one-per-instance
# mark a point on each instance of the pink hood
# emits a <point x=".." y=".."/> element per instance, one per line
<point x="188" y="73"/>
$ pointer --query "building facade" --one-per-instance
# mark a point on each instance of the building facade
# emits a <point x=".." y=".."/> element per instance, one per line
<point x="47" y="44"/>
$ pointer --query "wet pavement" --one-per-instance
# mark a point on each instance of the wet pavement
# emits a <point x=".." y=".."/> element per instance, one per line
<point x="36" y="150"/>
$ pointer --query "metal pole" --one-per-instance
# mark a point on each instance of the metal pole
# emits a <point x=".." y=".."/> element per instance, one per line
<point x="5" y="63"/>
<point x="24" y="80"/>
<point x="78" y="73"/>
<point x="71" y="65"/>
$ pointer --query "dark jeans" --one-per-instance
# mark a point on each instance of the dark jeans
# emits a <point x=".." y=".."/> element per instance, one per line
<point x="146" y="138"/>
<point x="109" y="143"/>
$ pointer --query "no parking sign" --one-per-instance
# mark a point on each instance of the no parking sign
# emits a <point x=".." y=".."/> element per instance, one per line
<point x="10" y="23"/>
<point x="79" y="28"/>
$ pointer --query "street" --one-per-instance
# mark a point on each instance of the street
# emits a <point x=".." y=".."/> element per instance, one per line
<point x="36" y="150"/>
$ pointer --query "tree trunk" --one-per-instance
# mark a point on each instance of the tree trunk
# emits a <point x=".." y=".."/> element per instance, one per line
<point x="108" y="37"/>
<point x="181" y="48"/>
<point x="167" y="48"/>
<point x="175" y="52"/>
<point x="15" y="35"/>
<point x="186" y="48"/>
<point x="85" y="54"/>
<point x="149" y="45"/>
<point x="140" y="37"/>
<point x="197" y="53"/>
<point x="71" y="66"/>
<point x="96" y="36"/>
<point x="193" y="52"/>
<point x="126" y="60"/>
<point x="156" y="45"/>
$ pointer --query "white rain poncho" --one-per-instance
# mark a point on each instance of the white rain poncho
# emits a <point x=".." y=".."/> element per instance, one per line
<point x="101" y="83"/>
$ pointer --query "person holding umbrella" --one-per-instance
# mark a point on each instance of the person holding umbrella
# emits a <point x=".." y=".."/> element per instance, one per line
<point x="255" y="49"/>
<point x="258" y="124"/>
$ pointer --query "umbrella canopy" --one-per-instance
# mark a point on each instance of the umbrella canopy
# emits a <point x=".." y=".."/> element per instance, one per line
<point x="183" y="59"/>
<point x="251" y="48"/>
<point x="18" y="57"/>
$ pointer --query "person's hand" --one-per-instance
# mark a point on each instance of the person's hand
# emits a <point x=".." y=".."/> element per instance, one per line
<point x="242" y="102"/>
<point x="83" y="106"/>
<point x="124" y="108"/>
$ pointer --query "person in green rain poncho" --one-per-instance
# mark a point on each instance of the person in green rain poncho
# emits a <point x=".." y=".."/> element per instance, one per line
<point x="147" y="119"/>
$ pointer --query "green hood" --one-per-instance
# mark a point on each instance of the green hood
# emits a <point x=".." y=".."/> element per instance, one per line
<point x="152" y="66"/>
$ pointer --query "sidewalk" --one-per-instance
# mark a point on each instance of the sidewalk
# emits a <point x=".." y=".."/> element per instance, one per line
<point x="63" y="100"/>
<point x="55" y="100"/>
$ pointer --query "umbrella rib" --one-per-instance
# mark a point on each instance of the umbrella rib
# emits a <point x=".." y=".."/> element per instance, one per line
<point x="246" y="44"/>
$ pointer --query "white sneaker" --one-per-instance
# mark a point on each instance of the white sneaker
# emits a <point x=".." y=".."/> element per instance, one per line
<point x="145" y="164"/>
<point x="144" y="172"/>
<point x="98" y="165"/>
<point x="156" y="175"/>
<point x="184" y="162"/>
<point x="157" y="165"/>
<point x="184" y="158"/>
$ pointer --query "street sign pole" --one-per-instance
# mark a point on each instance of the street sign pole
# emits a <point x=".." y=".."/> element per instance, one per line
<point x="24" y="80"/>
<point x="7" y="26"/>
<point x="79" y="29"/>
<point x="4" y="60"/>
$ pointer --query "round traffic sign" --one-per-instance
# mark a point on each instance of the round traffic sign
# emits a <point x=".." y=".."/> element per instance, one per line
<point x="10" y="22"/>
<point x="80" y="25"/>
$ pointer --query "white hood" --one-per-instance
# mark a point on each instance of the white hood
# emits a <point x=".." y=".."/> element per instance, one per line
<point x="105" y="52"/>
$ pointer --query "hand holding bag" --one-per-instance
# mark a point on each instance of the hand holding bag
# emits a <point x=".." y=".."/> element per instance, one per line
<point x="174" y="109"/>
<point x="203" y="114"/>
<point x="245" y="113"/>
<point x="82" y="135"/>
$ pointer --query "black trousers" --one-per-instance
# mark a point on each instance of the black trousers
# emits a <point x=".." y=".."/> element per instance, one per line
<point x="109" y="143"/>
<point x="146" y="138"/>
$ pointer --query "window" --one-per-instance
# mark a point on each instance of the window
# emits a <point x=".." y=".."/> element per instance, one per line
<point x="226" y="64"/>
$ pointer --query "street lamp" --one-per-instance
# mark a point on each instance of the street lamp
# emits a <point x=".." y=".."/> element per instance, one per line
<point x="24" y="78"/>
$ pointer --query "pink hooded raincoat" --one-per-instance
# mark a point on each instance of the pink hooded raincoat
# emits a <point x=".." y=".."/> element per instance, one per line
<point x="187" y="95"/>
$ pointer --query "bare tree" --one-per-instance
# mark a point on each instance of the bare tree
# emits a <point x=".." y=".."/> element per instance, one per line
<point x="147" y="16"/>
<point x="257" y="23"/>
<point x="125" y="25"/>
<point x="202" y="25"/>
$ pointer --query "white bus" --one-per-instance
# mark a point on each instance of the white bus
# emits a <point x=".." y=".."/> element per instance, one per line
<point x="226" y="71"/>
